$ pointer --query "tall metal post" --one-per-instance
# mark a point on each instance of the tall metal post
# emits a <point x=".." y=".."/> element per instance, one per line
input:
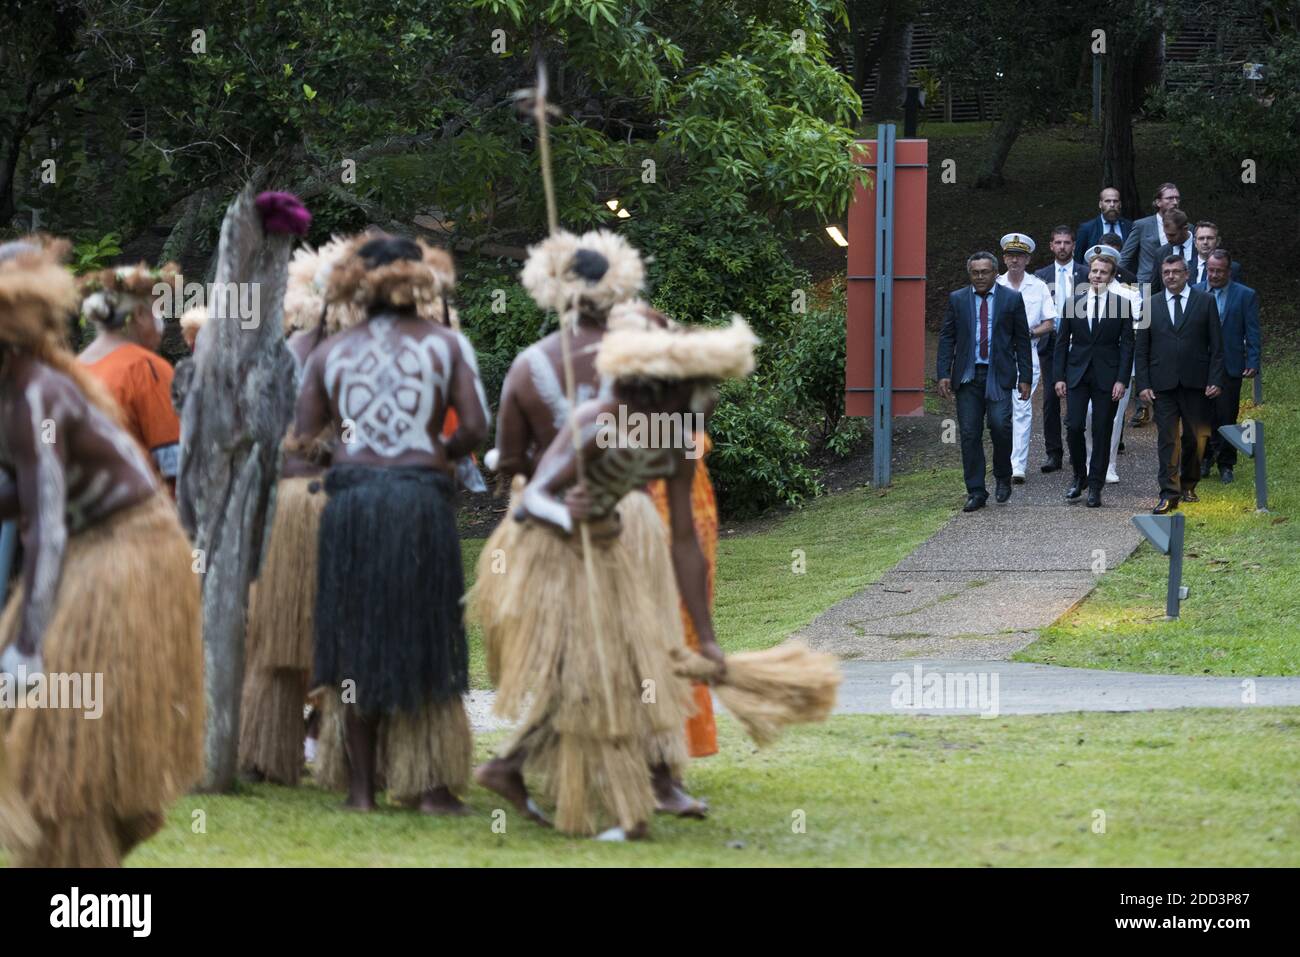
<point x="1261" y="472"/>
<point x="882" y="437"/>
<point x="1174" y="593"/>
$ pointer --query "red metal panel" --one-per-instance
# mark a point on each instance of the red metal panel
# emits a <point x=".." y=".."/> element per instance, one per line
<point x="910" y="157"/>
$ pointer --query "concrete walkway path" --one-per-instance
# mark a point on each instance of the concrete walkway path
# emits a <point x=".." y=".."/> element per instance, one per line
<point x="984" y="584"/>
<point x="945" y="686"/>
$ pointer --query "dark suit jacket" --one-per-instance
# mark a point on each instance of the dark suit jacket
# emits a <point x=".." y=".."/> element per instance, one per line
<point x="1240" y="324"/>
<point x="1108" y="348"/>
<point x="1048" y="275"/>
<point x="1090" y="232"/>
<point x="1190" y="357"/>
<point x="1009" y="345"/>
<point x="1158" y="279"/>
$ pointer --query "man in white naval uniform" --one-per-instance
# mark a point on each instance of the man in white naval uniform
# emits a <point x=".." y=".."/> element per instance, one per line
<point x="1040" y="313"/>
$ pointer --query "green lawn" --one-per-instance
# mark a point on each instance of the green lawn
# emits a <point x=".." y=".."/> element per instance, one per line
<point x="1210" y="788"/>
<point x="847" y="541"/>
<point x="1242" y="569"/>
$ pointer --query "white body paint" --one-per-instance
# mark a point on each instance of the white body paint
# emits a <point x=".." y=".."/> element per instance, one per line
<point x="387" y="387"/>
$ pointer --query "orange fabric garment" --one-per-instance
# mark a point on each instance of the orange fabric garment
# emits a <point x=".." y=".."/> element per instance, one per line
<point x="701" y="729"/>
<point x="141" y="382"/>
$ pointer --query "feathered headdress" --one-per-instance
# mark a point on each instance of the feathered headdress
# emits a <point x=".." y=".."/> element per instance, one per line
<point x="304" y="293"/>
<point x="110" y="296"/>
<point x="637" y="314"/>
<point x="718" y="353"/>
<point x="38" y="294"/>
<point x="38" y="297"/>
<point x="598" y="267"/>
<point x="424" y="283"/>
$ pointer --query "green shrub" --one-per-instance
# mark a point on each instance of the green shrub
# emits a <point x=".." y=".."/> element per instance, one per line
<point x="758" y="459"/>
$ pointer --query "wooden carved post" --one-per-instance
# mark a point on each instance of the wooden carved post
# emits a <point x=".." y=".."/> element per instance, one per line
<point x="239" y="404"/>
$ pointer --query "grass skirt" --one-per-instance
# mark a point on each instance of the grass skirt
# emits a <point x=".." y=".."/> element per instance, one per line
<point x="388" y="614"/>
<point x="600" y="707"/>
<point x="416" y="752"/>
<point x="280" y="623"/>
<point x="280" y="636"/>
<point x="128" y="609"/>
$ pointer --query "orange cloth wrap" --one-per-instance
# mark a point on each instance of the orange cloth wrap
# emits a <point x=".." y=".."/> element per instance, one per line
<point x="701" y="729"/>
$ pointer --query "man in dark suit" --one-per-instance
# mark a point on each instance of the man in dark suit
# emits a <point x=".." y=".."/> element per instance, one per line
<point x="1094" y="352"/>
<point x="1061" y="276"/>
<point x="1180" y="368"/>
<point x="1178" y="243"/>
<point x="1147" y="236"/>
<point x="984" y="347"/>
<point x="1206" y="236"/>
<point x="1110" y="221"/>
<point x="1239" y="318"/>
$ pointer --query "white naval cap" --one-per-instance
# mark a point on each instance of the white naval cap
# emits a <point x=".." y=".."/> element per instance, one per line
<point x="1109" y="252"/>
<point x="1017" y="243"/>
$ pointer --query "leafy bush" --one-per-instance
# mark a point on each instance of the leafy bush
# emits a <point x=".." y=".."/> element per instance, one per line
<point x="704" y="266"/>
<point x="811" y="369"/>
<point x="758" y="456"/>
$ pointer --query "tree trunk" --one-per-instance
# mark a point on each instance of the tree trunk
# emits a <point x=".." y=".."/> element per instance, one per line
<point x="1004" y="137"/>
<point x="235" y="415"/>
<point x="10" y="150"/>
<point x="891" y="81"/>
<point x="1118" y="159"/>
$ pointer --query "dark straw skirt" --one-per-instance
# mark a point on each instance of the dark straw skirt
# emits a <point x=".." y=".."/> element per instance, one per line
<point x="388" y="612"/>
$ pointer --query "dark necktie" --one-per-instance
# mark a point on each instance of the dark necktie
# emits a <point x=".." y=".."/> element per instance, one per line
<point x="984" y="328"/>
<point x="1178" y="311"/>
<point x="1095" y="314"/>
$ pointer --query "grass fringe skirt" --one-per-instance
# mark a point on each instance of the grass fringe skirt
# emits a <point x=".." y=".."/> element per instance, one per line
<point x="389" y="619"/>
<point x="388" y="613"/>
<point x="417" y="752"/>
<point x="281" y="635"/>
<point x="127" y="608"/>
<point x="598" y="706"/>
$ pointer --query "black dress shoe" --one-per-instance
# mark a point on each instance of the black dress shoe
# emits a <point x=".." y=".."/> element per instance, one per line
<point x="975" y="502"/>
<point x="1165" y="506"/>
<point x="1003" y="492"/>
<point x="1017" y="480"/>
<point x="1205" y="468"/>
<point x="1189" y="495"/>
<point x="1075" y="490"/>
<point x="1225" y="475"/>
<point x="1052" y="465"/>
<point x="1094" y="498"/>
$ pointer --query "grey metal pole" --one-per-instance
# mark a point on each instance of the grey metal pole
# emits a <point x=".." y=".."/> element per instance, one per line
<point x="1175" y="592"/>
<point x="882" y="437"/>
<point x="1261" y="475"/>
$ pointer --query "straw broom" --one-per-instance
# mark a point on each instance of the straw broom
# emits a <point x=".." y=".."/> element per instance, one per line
<point x="767" y="691"/>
